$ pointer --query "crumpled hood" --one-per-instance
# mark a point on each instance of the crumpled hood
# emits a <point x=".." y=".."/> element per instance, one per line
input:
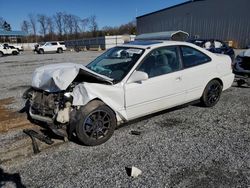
<point x="57" y="77"/>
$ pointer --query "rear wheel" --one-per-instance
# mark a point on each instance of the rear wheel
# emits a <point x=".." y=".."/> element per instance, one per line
<point x="59" y="50"/>
<point x="1" y="54"/>
<point x="96" y="123"/>
<point x="211" y="94"/>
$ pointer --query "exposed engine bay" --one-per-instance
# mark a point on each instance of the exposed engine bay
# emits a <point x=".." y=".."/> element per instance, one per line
<point x="49" y="107"/>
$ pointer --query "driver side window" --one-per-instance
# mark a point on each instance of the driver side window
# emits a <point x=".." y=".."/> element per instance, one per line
<point x="161" y="61"/>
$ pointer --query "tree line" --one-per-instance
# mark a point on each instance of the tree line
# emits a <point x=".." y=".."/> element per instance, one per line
<point x="65" y="26"/>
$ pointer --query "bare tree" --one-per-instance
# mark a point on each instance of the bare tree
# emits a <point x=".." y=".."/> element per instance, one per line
<point x="129" y="28"/>
<point x="58" y="17"/>
<point x="32" y="19"/>
<point x="50" y="25"/>
<point x="25" y="26"/>
<point x="84" y="23"/>
<point x="71" y="24"/>
<point x="76" y="24"/>
<point x="65" y="20"/>
<point x="42" y="20"/>
<point x="93" y="26"/>
<point x="108" y="30"/>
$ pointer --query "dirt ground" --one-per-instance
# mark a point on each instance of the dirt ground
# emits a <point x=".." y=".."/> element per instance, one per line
<point x="189" y="146"/>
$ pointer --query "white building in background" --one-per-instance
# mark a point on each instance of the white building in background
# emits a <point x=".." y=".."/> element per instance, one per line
<point x="103" y="43"/>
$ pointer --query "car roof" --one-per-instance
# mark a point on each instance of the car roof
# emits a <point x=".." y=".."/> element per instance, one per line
<point x="144" y="44"/>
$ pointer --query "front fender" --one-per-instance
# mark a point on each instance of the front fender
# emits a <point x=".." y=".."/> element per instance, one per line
<point x="111" y="95"/>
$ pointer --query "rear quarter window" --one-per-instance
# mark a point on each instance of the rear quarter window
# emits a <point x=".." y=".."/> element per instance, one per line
<point x="192" y="57"/>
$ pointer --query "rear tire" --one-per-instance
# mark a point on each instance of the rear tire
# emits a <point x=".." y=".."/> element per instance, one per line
<point x="1" y="54"/>
<point x="96" y="123"/>
<point x="211" y="94"/>
<point x="59" y="50"/>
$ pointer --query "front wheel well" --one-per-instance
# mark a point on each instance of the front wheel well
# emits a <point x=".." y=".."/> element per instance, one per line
<point x="93" y="102"/>
<point x="100" y="101"/>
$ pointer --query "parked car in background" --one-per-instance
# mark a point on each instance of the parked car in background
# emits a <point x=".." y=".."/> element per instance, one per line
<point x="215" y="46"/>
<point x="50" y="47"/>
<point x="7" y="50"/>
<point x="18" y="47"/>
<point x="126" y="82"/>
<point x="241" y="68"/>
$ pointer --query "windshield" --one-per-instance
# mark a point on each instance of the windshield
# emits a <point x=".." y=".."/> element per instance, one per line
<point x="116" y="62"/>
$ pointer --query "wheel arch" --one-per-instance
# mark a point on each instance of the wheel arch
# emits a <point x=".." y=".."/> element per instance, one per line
<point x="219" y="80"/>
<point x="100" y="100"/>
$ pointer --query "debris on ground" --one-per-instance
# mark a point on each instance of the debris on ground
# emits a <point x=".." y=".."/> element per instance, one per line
<point x="133" y="171"/>
<point x="135" y="132"/>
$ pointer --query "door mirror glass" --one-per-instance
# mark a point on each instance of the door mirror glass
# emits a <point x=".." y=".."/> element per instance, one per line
<point x="138" y="76"/>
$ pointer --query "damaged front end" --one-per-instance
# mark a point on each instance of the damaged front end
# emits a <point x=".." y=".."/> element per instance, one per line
<point x="52" y="108"/>
<point x="53" y="97"/>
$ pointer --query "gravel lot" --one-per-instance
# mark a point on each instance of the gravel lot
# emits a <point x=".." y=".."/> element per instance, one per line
<point x="188" y="146"/>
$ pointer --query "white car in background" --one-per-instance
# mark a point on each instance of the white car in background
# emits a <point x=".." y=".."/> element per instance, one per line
<point x="19" y="47"/>
<point x="6" y="50"/>
<point x="48" y="47"/>
<point x="125" y="83"/>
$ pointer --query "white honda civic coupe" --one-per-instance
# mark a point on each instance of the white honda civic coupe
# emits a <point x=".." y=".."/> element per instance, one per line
<point x="125" y="83"/>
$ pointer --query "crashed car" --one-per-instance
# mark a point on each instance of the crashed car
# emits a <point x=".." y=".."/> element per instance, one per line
<point x="241" y="68"/>
<point x="126" y="82"/>
<point x="215" y="46"/>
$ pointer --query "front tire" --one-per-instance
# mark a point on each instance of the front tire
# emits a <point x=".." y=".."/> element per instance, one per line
<point x="211" y="94"/>
<point x="41" y="51"/>
<point x="96" y="123"/>
<point x="14" y="53"/>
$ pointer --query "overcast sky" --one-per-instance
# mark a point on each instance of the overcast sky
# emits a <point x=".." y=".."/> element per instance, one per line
<point x="108" y="13"/>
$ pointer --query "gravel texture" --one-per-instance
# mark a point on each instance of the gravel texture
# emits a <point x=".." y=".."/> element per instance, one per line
<point x="189" y="146"/>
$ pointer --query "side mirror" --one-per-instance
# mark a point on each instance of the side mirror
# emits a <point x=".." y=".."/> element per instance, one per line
<point x="138" y="76"/>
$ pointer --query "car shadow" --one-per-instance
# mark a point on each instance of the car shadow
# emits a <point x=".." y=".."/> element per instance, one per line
<point x="193" y="103"/>
<point x="12" y="178"/>
<point x="48" y="132"/>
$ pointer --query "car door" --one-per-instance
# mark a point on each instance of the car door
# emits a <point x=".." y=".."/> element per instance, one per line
<point x="163" y="89"/>
<point x="8" y="50"/>
<point x="54" y="46"/>
<point x="198" y="69"/>
<point x="47" y="47"/>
